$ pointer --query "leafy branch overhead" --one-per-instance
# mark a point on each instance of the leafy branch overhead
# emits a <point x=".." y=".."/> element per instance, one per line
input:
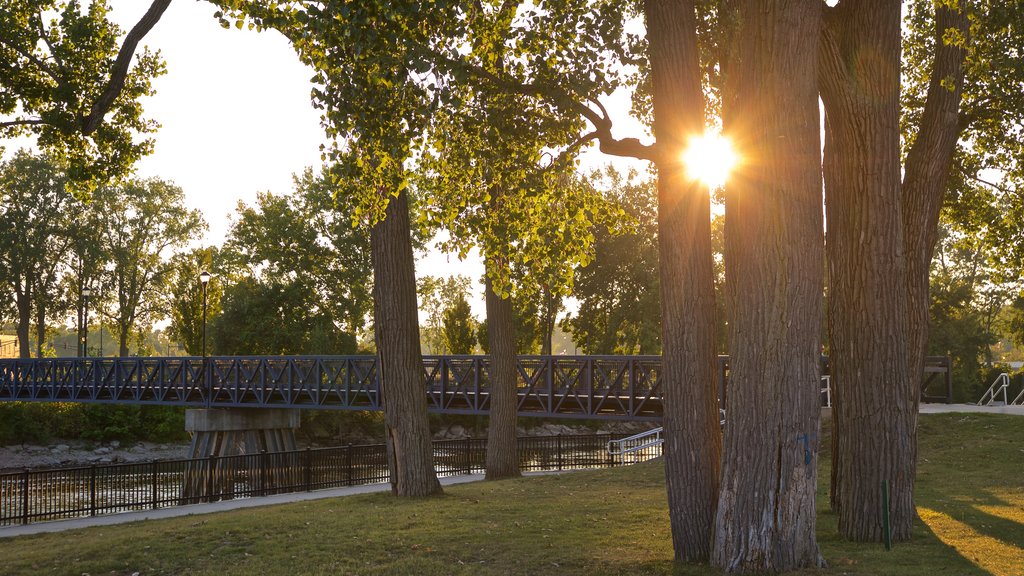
<point x="492" y="101"/>
<point x="67" y="82"/>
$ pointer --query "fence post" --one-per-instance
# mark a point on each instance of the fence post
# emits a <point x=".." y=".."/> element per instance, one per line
<point x="153" y="484"/>
<point x="467" y="456"/>
<point x="92" y="490"/>
<point x="309" y="469"/>
<point x="611" y="457"/>
<point x="24" y="496"/>
<point x="211" y="464"/>
<point x="348" y="464"/>
<point x="559" y="451"/>
<point x="263" y="472"/>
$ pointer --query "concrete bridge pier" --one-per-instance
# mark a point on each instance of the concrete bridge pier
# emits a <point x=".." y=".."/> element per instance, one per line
<point x="227" y="435"/>
<point x="234" y="431"/>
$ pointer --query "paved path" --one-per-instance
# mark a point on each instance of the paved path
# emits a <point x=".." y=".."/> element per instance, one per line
<point x="942" y="408"/>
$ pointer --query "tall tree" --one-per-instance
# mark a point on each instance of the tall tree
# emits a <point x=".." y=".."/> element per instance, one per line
<point x="367" y="82"/>
<point x="36" y="218"/>
<point x="301" y="251"/>
<point x="144" y="220"/>
<point x="773" y="256"/>
<point x="459" y="327"/>
<point x="618" y="292"/>
<point x="881" y="231"/>
<point x="686" y="272"/>
<point x="66" y="81"/>
<point x="410" y="456"/>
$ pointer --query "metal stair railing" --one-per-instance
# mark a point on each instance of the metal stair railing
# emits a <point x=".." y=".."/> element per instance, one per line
<point x="1019" y="399"/>
<point x="999" y="386"/>
<point x="635" y="445"/>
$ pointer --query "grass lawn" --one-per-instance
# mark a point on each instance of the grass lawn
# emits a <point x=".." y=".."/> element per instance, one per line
<point x="970" y="498"/>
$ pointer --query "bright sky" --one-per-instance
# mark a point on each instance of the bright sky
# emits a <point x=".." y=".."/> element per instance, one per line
<point x="234" y="108"/>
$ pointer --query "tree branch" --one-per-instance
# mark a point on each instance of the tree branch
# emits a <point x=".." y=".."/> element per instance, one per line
<point x="992" y="185"/>
<point x="29" y="122"/>
<point x="119" y="72"/>
<point x="42" y="65"/>
<point x="626" y="147"/>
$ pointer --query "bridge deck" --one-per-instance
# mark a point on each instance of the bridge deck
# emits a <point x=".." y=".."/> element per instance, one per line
<point x="603" y="387"/>
<point x="609" y="387"/>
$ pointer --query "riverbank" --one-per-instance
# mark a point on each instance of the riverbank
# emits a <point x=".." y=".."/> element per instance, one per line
<point x="65" y="453"/>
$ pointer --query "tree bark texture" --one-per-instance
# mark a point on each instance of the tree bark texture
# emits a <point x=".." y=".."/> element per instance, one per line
<point x="23" y="301"/>
<point x="692" y="436"/>
<point x="874" y="398"/>
<point x="774" y="254"/>
<point x="502" y="459"/>
<point x="40" y="328"/>
<point x="925" y="175"/>
<point x="403" y="391"/>
<point x="122" y="340"/>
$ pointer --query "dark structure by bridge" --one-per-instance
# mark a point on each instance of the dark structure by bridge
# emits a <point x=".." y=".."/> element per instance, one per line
<point x="605" y="387"/>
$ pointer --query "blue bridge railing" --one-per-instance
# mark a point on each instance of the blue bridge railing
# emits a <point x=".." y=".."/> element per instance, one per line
<point x="612" y="387"/>
<point x="605" y="387"/>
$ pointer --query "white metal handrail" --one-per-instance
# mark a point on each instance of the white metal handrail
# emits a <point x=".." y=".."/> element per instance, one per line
<point x="999" y="386"/>
<point x="636" y="442"/>
<point x="1019" y="400"/>
<point x="826" y="389"/>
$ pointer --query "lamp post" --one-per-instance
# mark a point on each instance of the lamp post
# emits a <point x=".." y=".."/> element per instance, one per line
<point x="204" y="279"/>
<point x="86" y="292"/>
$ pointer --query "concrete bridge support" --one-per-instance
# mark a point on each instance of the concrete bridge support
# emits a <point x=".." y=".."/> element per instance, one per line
<point x="234" y="431"/>
<point x="239" y="443"/>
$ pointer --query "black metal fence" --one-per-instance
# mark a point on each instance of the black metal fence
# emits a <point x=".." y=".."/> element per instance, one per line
<point x="41" y="495"/>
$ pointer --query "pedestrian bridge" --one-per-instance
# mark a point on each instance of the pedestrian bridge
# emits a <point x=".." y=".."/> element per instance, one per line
<point x="593" y="387"/>
<point x="602" y="387"/>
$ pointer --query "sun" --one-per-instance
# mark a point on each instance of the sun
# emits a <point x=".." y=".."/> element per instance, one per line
<point x="709" y="158"/>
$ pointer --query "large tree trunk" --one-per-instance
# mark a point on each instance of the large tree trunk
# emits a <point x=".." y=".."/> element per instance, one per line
<point x="502" y="459"/>
<point x="925" y="176"/>
<point x="774" y="278"/>
<point x="23" y="301"/>
<point x="874" y="403"/>
<point x="692" y="436"/>
<point x="410" y="455"/>
<point x="40" y="328"/>
<point x="123" y="333"/>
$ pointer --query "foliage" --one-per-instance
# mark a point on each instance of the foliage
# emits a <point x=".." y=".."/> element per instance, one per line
<point x="273" y="318"/>
<point x="459" y="328"/>
<point x="982" y="204"/>
<point x="618" y="292"/>
<point x="438" y="295"/>
<point x="37" y="422"/>
<point x="143" y="220"/>
<point x="60" y="62"/>
<point x="186" y="298"/>
<point x="482" y="91"/>
<point x="297" y="260"/>
<point x="37" y="227"/>
<point x="964" y="310"/>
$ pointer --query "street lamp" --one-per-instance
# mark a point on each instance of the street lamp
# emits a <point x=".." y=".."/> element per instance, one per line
<point x="204" y="279"/>
<point x="86" y="292"/>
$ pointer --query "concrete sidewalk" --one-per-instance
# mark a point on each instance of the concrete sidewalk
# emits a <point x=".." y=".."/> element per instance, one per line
<point x="973" y="408"/>
<point x="224" y="505"/>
